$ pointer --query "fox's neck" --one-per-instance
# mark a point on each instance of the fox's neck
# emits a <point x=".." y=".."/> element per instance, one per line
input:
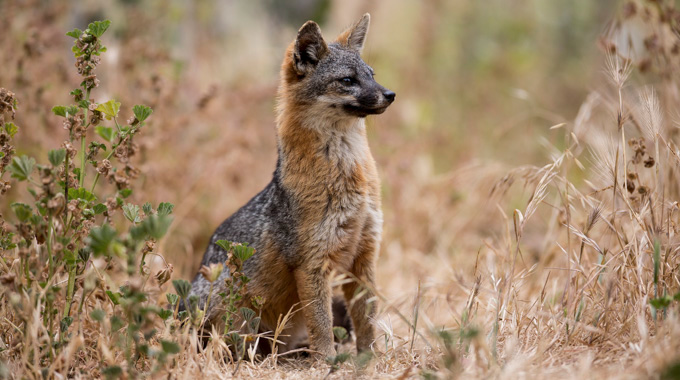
<point x="321" y="146"/>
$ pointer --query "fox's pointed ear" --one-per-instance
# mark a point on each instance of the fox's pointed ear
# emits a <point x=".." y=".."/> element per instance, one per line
<point x="355" y="35"/>
<point x="309" y="48"/>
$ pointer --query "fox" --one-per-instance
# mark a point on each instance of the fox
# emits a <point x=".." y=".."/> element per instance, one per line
<point x="321" y="212"/>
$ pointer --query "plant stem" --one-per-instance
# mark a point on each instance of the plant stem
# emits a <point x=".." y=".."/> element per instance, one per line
<point x="207" y="304"/>
<point x="50" y="259"/>
<point x="83" y="142"/>
<point x="96" y="177"/>
<point x="70" y="289"/>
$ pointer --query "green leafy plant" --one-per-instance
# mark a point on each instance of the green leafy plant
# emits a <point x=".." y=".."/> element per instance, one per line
<point x="72" y="221"/>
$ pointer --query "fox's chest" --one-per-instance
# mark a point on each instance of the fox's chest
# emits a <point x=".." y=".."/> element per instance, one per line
<point x="333" y="219"/>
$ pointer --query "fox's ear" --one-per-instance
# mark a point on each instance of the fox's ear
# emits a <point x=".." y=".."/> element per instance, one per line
<point x="355" y="35"/>
<point x="309" y="49"/>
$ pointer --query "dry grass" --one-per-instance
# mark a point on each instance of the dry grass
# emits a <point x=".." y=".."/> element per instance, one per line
<point x="486" y="270"/>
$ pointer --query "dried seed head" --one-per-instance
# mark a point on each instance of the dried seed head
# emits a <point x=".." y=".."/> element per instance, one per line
<point x="164" y="275"/>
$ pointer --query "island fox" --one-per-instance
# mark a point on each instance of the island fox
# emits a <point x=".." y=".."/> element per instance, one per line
<point x="321" y="211"/>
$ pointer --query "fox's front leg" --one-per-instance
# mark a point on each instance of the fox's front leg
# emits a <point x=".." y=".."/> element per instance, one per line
<point x="314" y="290"/>
<point x="359" y="294"/>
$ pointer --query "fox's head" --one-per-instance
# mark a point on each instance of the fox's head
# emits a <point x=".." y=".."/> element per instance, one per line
<point x="330" y="79"/>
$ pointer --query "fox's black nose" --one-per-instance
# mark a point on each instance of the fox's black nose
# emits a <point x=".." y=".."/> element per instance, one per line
<point x="389" y="95"/>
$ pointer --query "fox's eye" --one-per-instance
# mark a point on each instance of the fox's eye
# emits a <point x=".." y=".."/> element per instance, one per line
<point x="347" y="81"/>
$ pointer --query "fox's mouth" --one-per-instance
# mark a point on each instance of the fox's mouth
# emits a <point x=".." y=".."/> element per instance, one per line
<point x="361" y="111"/>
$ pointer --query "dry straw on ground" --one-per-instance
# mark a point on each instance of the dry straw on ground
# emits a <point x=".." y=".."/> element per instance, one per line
<point x="577" y="282"/>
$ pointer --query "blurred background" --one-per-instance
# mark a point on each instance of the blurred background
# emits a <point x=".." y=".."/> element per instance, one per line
<point x="478" y="83"/>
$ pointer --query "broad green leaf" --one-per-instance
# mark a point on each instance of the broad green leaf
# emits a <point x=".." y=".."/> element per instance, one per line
<point x="131" y="212"/>
<point x="172" y="298"/>
<point x="99" y="208"/>
<point x="169" y="347"/>
<point x="112" y="372"/>
<point x="65" y="323"/>
<point x="98" y="28"/>
<point x="165" y="208"/>
<point x="142" y="112"/>
<point x="661" y="302"/>
<point x="22" y="211"/>
<point x="243" y="252"/>
<point x="224" y="244"/>
<point x="157" y="225"/>
<point x="340" y="333"/>
<point x="182" y="287"/>
<point x="11" y="129"/>
<point x="56" y="156"/>
<point x="105" y="132"/>
<point x="81" y="194"/>
<point x="101" y="239"/>
<point x="246" y="313"/>
<point x="110" y="108"/>
<point x="75" y="33"/>
<point x="164" y="313"/>
<point x="125" y="193"/>
<point x="21" y="167"/>
<point x="64" y="111"/>
<point x="114" y="297"/>
<point x="147" y="208"/>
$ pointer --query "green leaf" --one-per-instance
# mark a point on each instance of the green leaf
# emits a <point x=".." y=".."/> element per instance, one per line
<point x="147" y="208"/>
<point x="156" y="226"/>
<point x="98" y="28"/>
<point x="182" y="287"/>
<point x="77" y="93"/>
<point x="142" y="112"/>
<point x="100" y="239"/>
<point x="243" y="252"/>
<point x="105" y="132"/>
<point x="165" y="208"/>
<point x="172" y="298"/>
<point x="81" y="194"/>
<point x="64" y="111"/>
<point x="246" y="313"/>
<point x="340" y="333"/>
<point x="224" y="244"/>
<point x="169" y="347"/>
<point x="22" y="211"/>
<point x="661" y="302"/>
<point x="99" y="208"/>
<point x="21" y="167"/>
<point x="114" y="297"/>
<point x="110" y="108"/>
<point x="98" y="315"/>
<point x="75" y="33"/>
<point x="11" y="129"/>
<point x="164" y="313"/>
<point x="125" y="193"/>
<point x="56" y="156"/>
<point x="131" y="212"/>
<point x="112" y="372"/>
<point x="65" y="323"/>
